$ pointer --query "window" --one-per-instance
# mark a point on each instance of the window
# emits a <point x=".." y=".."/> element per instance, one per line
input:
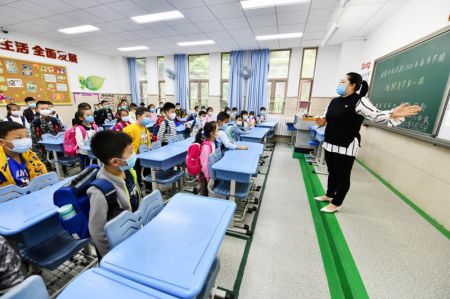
<point x="161" y="80"/>
<point x="142" y="78"/>
<point x="198" y="80"/>
<point x="277" y="81"/>
<point x="224" y="82"/>
<point x="306" y="79"/>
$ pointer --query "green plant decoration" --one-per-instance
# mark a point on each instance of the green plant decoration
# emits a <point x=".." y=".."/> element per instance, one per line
<point x="92" y="82"/>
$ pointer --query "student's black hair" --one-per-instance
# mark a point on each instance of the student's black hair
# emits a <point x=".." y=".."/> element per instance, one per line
<point x="200" y="113"/>
<point x="79" y="114"/>
<point x="262" y="108"/>
<point x="85" y="106"/>
<point x="142" y="104"/>
<point x="223" y="116"/>
<point x="209" y="108"/>
<point x="234" y="109"/>
<point x="150" y="105"/>
<point x="42" y="103"/>
<point x="196" y="107"/>
<point x="8" y="126"/>
<point x="167" y="106"/>
<point x="244" y="112"/>
<point x="10" y="105"/>
<point x="252" y="113"/>
<point x="117" y="141"/>
<point x="356" y="79"/>
<point x="132" y="105"/>
<point x="29" y="99"/>
<point x="141" y="110"/>
<point x="119" y="113"/>
<point x="103" y="101"/>
<point x="209" y="128"/>
<point x="177" y="104"/>
<point x="50" y="103"/>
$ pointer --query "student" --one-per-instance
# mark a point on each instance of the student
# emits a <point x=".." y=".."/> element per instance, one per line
<point x="180" y="113"/>
<point x="244" y="115"/>
<point x="11" y="273"/>
<point x="159" y="110"/>
<point x="140" y="135"/>
<point x="251" y="119"/>
<point x="30" y="113"/>
<point x="222" y="139"/>
<point x="206" y="137"/>
<point x="104" y="114"/>
<point x="167" y="127"/>
<point x="83" y="106"/>
<point x="344" y="118"/>
<point x="44" y="124"/>
<point x="153" y="115"/>
<point x="209" y="114"/>
<point x="236" y="130"/>
<point x="227" y="110"/>
<point x="118" y="159"/>
<point x="142" y="104"/>
<point x="18" y="164"/>
<point x="122" y="120"/>
<point x="195" y="112"/>
<point x="13" y="115"/>
<point x="234" y="113"/>
<point x="262" y="117"/>
<point x="124" y="104"/>
<point x="132" y="114"/>
<point x="85" y="129"/>
<point x="203" y="108"/>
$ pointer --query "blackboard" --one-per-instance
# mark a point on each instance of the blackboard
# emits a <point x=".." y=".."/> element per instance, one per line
<point x="417" y="74"/>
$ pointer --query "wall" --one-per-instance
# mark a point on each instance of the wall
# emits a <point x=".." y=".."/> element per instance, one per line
<point x="114" y="69"/>
<point x="417" y="169"/>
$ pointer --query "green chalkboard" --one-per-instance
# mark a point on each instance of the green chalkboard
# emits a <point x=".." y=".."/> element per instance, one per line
<point x="417" y="74"/>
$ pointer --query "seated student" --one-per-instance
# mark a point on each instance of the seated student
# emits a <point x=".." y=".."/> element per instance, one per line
<point x="167" y="127"/>
<point x="11" y="273"/>
<point x="200" y="121"/>
<point x="209" y="114"/>
<point x="140" y="135"/>
<point x="227" y="110"/>
<point x="30" y="113"/>
<point x="44" y="124"/>
<point x="195" y="112"/>
<point x="234" y="114"/>
<point x="132" y="113"/>
<point x="142" y="104"/>
<point x="18" y="164"/>
<point x="179" y="112"/>
<point x="118" y="159"/>
<point x="124" y="104"/>
<point x="13" y="115"/>
<point x="159" y="109"/>
<point x="104" y="114"/>
<point x="153" y="115"/>
<point x="123" y="120"/>
<point x="222" y="139"/>
<point x="203" y="108"/>
<point x="206" y="137"/>
<point x="85" y="129"/>
<point x="236" y="130"/>
<point x="262" y="117"/>
<point x="251" y="119"/>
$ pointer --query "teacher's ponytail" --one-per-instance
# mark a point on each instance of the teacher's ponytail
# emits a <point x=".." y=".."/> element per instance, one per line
<point x="356" y="79"/>
<point x="364" y="88"/>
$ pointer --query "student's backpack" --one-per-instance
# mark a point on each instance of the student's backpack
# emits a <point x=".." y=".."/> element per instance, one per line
<point x="193" y="164"/>
<point x="76" y="221"/>
<point x="21" y="118"/>
<point x="37" y="124"/>
<point x="155" y="129"/>
<point x="70" y="142"/>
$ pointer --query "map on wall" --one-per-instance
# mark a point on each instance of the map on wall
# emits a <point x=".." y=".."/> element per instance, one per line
<point x="21" y="78"/>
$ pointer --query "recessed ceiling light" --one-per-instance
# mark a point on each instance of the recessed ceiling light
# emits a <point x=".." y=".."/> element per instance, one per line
<point x="156" y="17"/>
<point x="196" y="43"/>
<point x="136" y="48"/>
<point x="279" y="36"/>
<point x="253" y="4"/>
<point x="78" y="29"/>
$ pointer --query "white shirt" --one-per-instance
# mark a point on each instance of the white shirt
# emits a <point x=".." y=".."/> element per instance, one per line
<point x="223" y="138"/>
<point x="18" y="119"/>
<point x="365" y="108"/>
<point x="82" y="141"/>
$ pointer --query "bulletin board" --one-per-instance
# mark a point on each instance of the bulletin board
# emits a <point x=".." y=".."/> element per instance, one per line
<point x="21" y="78"/>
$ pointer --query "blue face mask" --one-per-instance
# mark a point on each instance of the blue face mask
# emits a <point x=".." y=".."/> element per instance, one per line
<point x="145" y="121"/>
<point x="130" y="162"/>
<point x="32" y="105"/>
<point x="21" y="145"/>
<point x="224" y="126"/>
<point x="152" y="110"/>
<point x="340" y="89"/>
<point x="125" y="119"/>
<point x="89" y="119"/>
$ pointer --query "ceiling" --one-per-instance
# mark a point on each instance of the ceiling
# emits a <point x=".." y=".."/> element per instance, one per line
<point x="223" y="21"/>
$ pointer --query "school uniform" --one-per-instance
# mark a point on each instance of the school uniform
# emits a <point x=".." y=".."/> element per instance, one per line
<point x="18" y="119"/>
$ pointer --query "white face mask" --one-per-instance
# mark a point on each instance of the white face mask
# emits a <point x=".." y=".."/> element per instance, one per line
<point x="210" y="113"/>
<point x="15" y="113"/>
<point x="172" y="115"/>
<point x="21" y="145"/>
<point x="45" y="112"/>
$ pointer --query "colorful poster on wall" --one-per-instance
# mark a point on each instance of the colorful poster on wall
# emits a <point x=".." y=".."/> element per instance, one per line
<point x="20" y="79"/>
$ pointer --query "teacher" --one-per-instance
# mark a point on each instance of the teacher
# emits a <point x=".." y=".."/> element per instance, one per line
<point x="343" y="118"/>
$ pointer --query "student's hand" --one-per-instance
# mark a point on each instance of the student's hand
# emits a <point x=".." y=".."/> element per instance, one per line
<point x="321" y="122"/>
<point x="243" y="147"/>
<point x="405" y="110"/>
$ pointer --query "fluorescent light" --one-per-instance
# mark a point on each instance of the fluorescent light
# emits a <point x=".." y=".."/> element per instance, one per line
<point x="329" y="34"/>
<point x="136" y="48"/>
<point x="156" y="17"/>
<point x="78" y="29"/>
<point x="252" y="4"/>
<point x="279" y="36"/>
<point x="196" y="43"/>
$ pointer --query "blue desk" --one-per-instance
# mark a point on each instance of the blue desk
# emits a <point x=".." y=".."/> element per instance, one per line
<point x="181" y="129"/>
<point x="108" y="126"/>
<point x="255" y="135"/>
<point x="237" y="166"/>
<point x="268" y="124"/>
<point x="253" y="147"/>
<point x="185" y="142"/>
<point x="55" y="145"/>
<point x="101" y="284"/>
<point x="175" y="251"/>
<point x="19" y="216"/>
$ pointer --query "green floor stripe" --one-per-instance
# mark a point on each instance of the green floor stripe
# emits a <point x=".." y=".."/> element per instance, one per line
<point x="343" y="277"/>
<point x="427" y="217"/>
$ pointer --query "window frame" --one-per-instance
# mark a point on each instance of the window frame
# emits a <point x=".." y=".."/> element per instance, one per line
<point x="192" y="102"/>
<point x="160" y="80"/>
<point x="299" y="102"/>
<point x="273" y="81"/>
<point x="223" y="102"/>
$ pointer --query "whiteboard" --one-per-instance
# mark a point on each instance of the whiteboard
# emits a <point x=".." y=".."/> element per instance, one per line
<point x="444" y="130"/>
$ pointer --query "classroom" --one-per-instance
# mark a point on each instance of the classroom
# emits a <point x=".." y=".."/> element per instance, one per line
<point x="245" y="149"/>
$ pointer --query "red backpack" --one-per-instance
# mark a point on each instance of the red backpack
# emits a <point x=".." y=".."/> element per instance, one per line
<point x="70" y="142"/>
<point x="155" y="128"/>
<point x="193" y="164"/>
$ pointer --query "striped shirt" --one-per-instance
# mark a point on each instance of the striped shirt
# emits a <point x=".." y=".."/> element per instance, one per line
<point x="166" y="132"/>
<point x="365" y="108"/>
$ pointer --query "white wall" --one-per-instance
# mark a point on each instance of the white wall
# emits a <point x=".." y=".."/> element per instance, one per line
<point x="294" y="72"/>
<point x="152" y="75"/>
<point x="215" y="73"/>
<point x="170" y="86"/>
<point x="326" y="76"/>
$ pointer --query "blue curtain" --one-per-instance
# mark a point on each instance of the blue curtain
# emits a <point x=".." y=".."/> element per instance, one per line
<point x="257" y="85"/>
<point x="181" y="80"/>
<point x="134" y="83"/>
<point x="236" y="83"/>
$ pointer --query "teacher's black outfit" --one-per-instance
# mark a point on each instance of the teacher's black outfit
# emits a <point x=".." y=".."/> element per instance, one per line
<point x="344" y="117"/>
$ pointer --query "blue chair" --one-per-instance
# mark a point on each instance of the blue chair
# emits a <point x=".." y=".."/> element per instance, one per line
<point x="150" y="206"/>
<point x="10" y="192"/>
<point x="122" y="227"/>
<point x="180" y="137"/>
<point x="42" y="181"/>
<point x="32" y="287"/>
<point x="292" y="130"/>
